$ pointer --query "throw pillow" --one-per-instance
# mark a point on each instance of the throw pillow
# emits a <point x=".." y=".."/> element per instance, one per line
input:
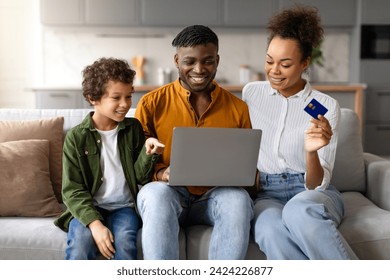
<point x="49" y="129"/>
<point x="25" y="186"/>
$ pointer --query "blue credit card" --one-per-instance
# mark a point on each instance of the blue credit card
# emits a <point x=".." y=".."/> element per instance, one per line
<point x="315" y="108"/>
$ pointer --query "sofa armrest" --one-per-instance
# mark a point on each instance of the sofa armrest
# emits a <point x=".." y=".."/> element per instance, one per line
<point x="378" y="180"/>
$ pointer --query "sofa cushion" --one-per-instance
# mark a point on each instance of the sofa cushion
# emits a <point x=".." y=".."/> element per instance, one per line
<point x="366" y="227"/>
<point x="198" y="239"/>
<point x="27" y="238"/>
<point x="25" y="186"/>
<point x="50" y="129"/>
<point x="349" y="171"/>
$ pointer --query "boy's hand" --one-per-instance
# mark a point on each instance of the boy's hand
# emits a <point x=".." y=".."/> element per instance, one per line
<point x="103" y="238"/>
<point x="154" y="146"/>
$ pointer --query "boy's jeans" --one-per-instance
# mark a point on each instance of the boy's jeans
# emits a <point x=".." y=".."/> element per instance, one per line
<point x="123" y="224"/>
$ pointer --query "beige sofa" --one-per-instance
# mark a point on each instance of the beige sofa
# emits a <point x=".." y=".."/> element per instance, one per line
<point x="363" y="178"/>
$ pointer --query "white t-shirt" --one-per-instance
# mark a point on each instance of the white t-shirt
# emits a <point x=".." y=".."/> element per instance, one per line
<point x="114" y="193"/>
<point x="283" y="122"/>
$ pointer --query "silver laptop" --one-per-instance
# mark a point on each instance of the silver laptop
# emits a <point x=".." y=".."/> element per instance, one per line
<point x="214" y="156"/>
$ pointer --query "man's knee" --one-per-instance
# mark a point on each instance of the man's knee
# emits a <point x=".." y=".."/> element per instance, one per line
<point x="236" y="197"/>
<point x="160" y="197"/>
<point x="235" y="201"/>
<point x="153" y="189"/>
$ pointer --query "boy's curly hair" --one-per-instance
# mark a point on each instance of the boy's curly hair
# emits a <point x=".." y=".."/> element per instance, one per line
<point x="97" y="75"/>
<point x="300" y="23"/>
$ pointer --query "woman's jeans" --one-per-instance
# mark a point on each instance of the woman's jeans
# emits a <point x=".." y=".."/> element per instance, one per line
<point x="123" y="224"/>
<point x="164" y="209"/>
<point x="291" y="222"/>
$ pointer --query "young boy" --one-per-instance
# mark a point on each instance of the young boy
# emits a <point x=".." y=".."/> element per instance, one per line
<point x="104" y="159"/>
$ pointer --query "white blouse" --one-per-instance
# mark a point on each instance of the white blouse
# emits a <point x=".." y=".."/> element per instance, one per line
<point x="283" y="122"/>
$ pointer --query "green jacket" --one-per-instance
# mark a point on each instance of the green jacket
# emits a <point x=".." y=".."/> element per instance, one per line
<point x="81" y="172"/>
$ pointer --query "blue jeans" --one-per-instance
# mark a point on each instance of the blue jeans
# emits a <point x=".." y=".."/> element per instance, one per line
<point x="123" y="224"/>
<point x="294" y="223"/>
<point x="164" y="209"/>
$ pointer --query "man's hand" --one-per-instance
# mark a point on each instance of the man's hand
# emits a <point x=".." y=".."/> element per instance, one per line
<point x="103" y="238"/>
<point x="154" y="146"/>
<point x="163" y="175"/>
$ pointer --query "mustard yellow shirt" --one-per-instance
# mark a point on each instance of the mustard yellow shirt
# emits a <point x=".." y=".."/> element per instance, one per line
<point x="162" y="109"/>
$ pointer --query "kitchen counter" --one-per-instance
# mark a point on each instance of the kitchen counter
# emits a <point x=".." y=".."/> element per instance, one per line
<point x="343" y="92"/>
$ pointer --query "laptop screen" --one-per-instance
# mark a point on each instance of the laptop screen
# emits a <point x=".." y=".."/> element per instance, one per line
<point x="214" y="156"/>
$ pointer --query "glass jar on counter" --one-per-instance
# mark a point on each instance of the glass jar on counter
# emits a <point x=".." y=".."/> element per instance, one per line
<point x="164" y="76"/>
<point x="245" y="74"/>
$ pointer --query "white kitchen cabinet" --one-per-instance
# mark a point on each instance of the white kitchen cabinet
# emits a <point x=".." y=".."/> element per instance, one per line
<point x="377" y="139"/>
<point x="179" y="12"/>
<point x="130" y="13"/>
<point x="157" y="13"/>
<point x="221" y="13"/>
<point x="111" y="12"/>
<point x="89" y="12"/>
<point x="377" y="103"/>
<point x="247" y="13"/>
<point x="60" y="99"/>
<point x="62" y="12"/>
<point x="47" y="97"/>
<point x="375" y="12"/>
<point x="375" y="72"/>
<point x="334" y="13"/>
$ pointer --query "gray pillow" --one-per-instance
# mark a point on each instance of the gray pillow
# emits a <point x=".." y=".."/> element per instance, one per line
<point x="349" y="171"/>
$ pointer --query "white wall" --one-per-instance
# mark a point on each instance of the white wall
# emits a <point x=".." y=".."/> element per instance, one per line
<point x="33" y="56"/>
<point x="20" y="54"/>
<point x="67" y="52"/>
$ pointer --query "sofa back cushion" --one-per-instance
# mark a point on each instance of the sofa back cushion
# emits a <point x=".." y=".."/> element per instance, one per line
<point x="349" y="170"/>
<point x="49" y="129"/>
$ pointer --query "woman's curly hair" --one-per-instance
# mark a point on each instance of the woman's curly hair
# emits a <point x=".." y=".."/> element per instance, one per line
<point x="97" y="75"/>
<point x="300" y="23"/>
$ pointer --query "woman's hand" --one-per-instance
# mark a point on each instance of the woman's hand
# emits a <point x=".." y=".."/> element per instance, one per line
<point x="318" y="134"/>
<point x="154" y="146"/>
<point x="103" y="238"/>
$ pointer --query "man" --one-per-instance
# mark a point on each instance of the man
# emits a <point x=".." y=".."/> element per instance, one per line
<point x="196" y="100"/>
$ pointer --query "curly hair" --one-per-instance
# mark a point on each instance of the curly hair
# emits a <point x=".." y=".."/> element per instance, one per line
<point x="300" y="23"/>
<point x="103" y="70"/>
<point x="195" y="35"/>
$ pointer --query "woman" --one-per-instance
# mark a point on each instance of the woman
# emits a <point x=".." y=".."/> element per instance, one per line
<point x="297" y="210"/>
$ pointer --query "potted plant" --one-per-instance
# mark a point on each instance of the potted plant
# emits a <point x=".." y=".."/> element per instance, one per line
<point x="317" y="60"/>
<point x="317" y="57"/>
